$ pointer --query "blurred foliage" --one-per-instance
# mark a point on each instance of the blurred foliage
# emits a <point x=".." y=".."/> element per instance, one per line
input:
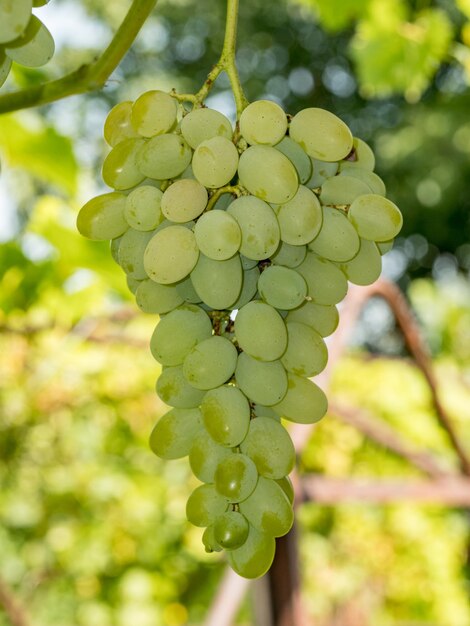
<point x="92" y="525"/>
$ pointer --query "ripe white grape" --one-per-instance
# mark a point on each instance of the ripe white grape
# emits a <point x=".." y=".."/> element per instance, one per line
<point x="171" y="255"/>
<point x="269" y="445"/>
<point x="215" y="162"/>
<point x="299" y="159"/>
<point x="255" y="556"/>
<point x="338" y="239"/>
<point x="226" y="415"/>
<point x="304" y="402"/>
<point x="342" y="190"/>
<point x="375" y="218"/>
<point x="321" y="170"/>
<point x="268" y="174"/>
<point x="120" y="168"/>
<point x="174" y="433"/>
<point x="153" y="113"/>
<point x="322" y="318"/>
<point x="34" y="47"/>
<point x="289" y="255"/>
<point x="321" y="134"/>
<point x="218" y="235"/>
<point x="249" y="288"/>
<point x="210" y="363"/>
<point x="306" y="353"/>
<point x="260" y="331"/>
<point x="366" y="266"/>
<point x="325" y="281"/>
<point x="131" y="253"/>
<point x="173" y="388"/>
<point x="103" y="217"/>
<point x="204" y="456"/>
<point x="282" y="287"/>
<point x="184" y="200"/>
<point x="143" y="206"/>
<point x="262" y="382"/>
<point x="258" y="225"/>
<point x="300" y="219"/>
<point x="217" y="283"/>
<point x="203" y="124"/>
<point x="117" y="126"/>
<point x="263" y="122"/>
<point x="268" y="508"/>
<point x="15" y="15"/>
<point x="205" y="505"/>
<point x="363" y="156"/>
<point x="164" y="156"/>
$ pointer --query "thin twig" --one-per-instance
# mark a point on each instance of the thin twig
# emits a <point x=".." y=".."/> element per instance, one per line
<point x="12" y="607"/>
<point x="444" y="491"/>
<point x="383" y="434"/>
<point x="87" y="77"/>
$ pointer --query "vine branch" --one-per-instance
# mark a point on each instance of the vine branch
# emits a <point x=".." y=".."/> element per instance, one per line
<point x="87" y="77"/>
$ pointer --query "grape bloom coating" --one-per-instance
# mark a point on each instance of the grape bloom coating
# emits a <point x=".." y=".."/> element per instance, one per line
<point x="242" y="243"/>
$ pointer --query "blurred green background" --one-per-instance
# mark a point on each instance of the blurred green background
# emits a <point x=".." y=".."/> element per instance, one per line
<point x="92" y="525"/>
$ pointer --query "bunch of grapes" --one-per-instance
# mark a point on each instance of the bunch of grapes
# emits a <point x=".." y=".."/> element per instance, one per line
<point x="243" y="242"/>
<point x="23" y="37"/>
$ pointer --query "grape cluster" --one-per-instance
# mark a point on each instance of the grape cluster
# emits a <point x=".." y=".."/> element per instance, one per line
<point x="23" y="37"/>
<point x="243" y="242"/>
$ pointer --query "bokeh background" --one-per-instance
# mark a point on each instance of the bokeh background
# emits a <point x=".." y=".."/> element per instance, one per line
<point x="92" y="525"/>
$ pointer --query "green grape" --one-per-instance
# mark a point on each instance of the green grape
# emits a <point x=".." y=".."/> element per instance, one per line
<point x="282" y="287"/>
<point x="226" y="415"/>
<point x="236" y="477"/>
<point x="248" y="264"/>
<point x="255" y="556"/>
<point x="342" y="190"/>
<point x="215" y="162"/>
<point x="103" y="217"/>
<point x="218" y="235"/>
<point x="154" y="113"/>
<point x="268" y="174"/>
<point x="171" y="255"/>
<point x="164" y="157"/>
<point x="178" y="333"/>
<point x="249" y="288"/>
<point x="338" y="239"/>
<point x="173" y="388"/>
<point x="269" y="446"/>
<point x="203" y="124"/>
<point x="186" y="290"/>
<point x="265" y="411"/>
<point x="131" y="253"/>
<point x="304" y="402"/>
<point x="321" y="170"/>
<point x="205" y="505"/>
<point x="288" y="488"/>
<point x="114" y="248"/>
<point x="289" y="255"/>
<point x="268" y="508"/>
<point x="326" y="283"/>
<point x="375" y="217"/>
<point x="142" y="210"/>
<point x="218" y="283"/>
<point x="209" y="541"/>
<point x="5" y="66"/>
<point x="263" y="122"/>
<point x="173" y="434"/>
<point x="210" y="363"/>
<point x="384" y="246"/>
<point x="15" y="16"/>
<point x="205" y="455"/>
<point x="374" y="182"/>
<point x="132" y="283"/>
<point x="151" y="297"/>
<point x="366" y="266"/>
<point x="34" y="47"/>
<point x="298" y="158"/>
<point x="184" y="200"/>
<point x="363" y="156"/>
<point x="261" y="331"/>
<point x="117" y="126"/>
<point x="265" y="383"/>
<point x="322" y="318"/>
<point x="231" y="530"/>
<point x="120" y="168"/>
<point x="300" y="219"/>
<point x="306" y="353"/>
<point x="321" y="134"/>
<point x="258" y="225"/>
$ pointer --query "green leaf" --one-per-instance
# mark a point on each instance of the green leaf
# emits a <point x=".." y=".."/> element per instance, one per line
<point x="336" y="15"/>
<point x="28" y="142"/>
<point x="394" y="56"/>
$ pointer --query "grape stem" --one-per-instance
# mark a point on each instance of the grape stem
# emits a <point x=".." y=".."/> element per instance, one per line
<point x="87" y="77"/>
<point x="225" y="63"/>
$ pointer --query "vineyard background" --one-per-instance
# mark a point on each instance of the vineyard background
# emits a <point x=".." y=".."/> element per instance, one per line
<point x="92" y="528"/>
